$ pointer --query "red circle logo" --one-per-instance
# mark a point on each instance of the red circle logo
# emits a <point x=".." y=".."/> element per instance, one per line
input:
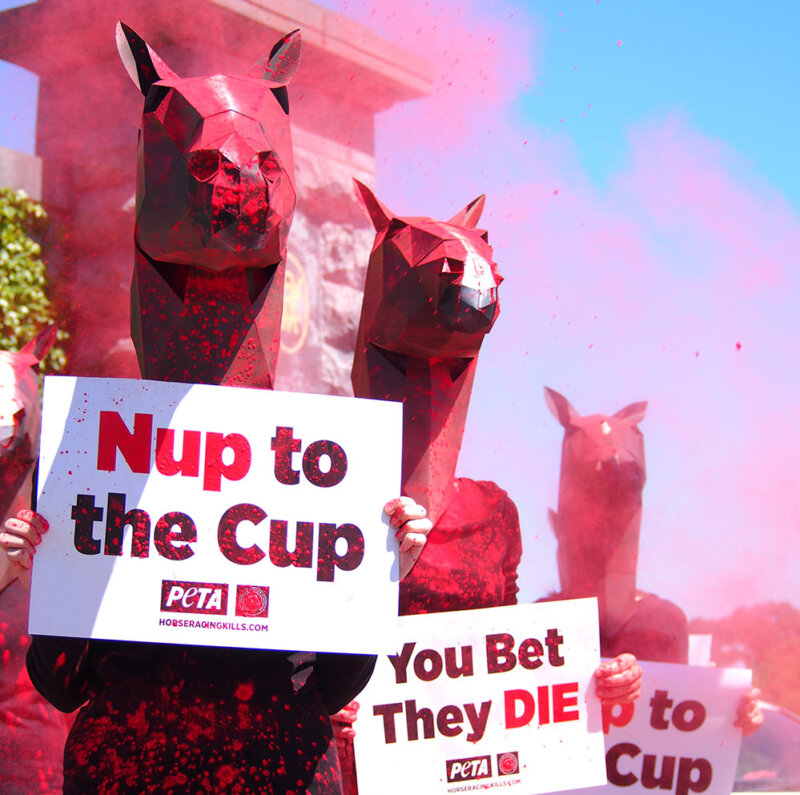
<point x="508" y="763"/>
<point x="252" y="601"/>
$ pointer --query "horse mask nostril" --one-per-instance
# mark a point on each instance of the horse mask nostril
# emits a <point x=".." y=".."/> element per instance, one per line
<point x="468" y="310"/>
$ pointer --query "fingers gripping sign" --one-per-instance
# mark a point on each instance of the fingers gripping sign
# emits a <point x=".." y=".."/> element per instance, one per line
<point x="618" y="681"/>
<point x="749" y="716"/>
<point x="20" y="536"/>
<point x="343" y="721"/>
<point x="412" y="526"/>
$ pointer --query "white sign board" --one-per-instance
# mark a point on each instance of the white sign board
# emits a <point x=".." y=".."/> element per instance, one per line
<point x="216" y="516"/>
<point x="679" y="735"/>
<point x="483" y="699"/>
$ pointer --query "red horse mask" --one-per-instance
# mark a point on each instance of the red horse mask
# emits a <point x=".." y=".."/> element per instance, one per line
<point x="214" y="201"/>
<point x="429" y="300"/>
<point x="600" y="506"/>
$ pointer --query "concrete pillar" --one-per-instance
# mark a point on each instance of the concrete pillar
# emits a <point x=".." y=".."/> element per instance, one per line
<point x="86" y="138"/>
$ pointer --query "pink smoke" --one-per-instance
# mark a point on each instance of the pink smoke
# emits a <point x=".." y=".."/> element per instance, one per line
<point x="675" y="283"/>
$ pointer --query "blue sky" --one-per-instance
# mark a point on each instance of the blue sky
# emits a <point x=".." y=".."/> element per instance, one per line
<point x="18" y="94"/>
<point x="728" y="69"/>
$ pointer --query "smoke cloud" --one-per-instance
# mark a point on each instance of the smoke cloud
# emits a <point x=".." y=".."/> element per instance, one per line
<point x="674" y="281"/>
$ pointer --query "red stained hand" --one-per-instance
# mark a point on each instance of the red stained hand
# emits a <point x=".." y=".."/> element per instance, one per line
<point x="749" y="716"/>
<point x="412" y="524"/>
<point x="343" y="721"/>
<point x="20" y="536"/>
<point x="618" y="681"/>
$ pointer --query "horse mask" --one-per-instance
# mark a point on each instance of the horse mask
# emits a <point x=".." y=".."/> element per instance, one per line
<point x="214" y="201"/>
<point x="600" y="507"/>
<point x="430" y="298"/>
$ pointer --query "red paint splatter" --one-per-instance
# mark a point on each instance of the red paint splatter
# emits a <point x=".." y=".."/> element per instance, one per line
<point x="244" y="692"/>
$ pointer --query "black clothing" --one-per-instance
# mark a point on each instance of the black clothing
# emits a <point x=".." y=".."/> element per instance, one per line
<point x="171" y="718"/>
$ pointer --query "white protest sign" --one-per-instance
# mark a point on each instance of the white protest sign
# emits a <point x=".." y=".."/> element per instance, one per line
<point x="217" y="516"/>
<point x="679" y="735"/>
<point x="478" y="699"/>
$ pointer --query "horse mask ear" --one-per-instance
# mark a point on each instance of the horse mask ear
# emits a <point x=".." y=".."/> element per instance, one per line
<point x="379" y="214"/>
<point x="144" y="65"/>
<point x="41" y="343"/>
<point x="560" y="407"/>
<point x="634" y="413"/>
<point x="280" y="64"/>
<point x="471" y="214"/>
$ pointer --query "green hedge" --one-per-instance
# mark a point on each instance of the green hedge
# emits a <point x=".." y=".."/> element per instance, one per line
<point x="25" y="307"/>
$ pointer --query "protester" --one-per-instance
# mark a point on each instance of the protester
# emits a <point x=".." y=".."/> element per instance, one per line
<point x="597" y="528"/>
<point x="206" y="308"/>
<point x="33" y="733"/>
<point x="430" y="298"/>
<point x="161" y="718"/>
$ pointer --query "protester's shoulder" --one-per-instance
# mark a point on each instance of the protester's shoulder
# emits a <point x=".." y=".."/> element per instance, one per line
<point x="491" y="504"/>
<point x="553" y="596"/>
<point x="658" y="608"/>
<point x="487" y="488"/>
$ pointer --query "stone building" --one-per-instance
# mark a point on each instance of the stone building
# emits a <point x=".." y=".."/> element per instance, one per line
<point x="88" y="116"/>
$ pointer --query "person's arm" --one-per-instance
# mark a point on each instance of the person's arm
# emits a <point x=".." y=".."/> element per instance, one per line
<point x="58" y="669"/>
<point x="342" y="677"/>
<point x="56" y="666"/>
<point x="510" y="526"/>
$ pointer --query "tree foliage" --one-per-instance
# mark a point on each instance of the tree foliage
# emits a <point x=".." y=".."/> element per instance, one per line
<point x="25" y="308"/>
<point x="764" y="638"/>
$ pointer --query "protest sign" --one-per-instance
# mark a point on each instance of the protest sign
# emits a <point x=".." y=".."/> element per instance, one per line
<point x="220" y="516"/>
<point x="481" y="699"/>
<point x="679" y="735"/>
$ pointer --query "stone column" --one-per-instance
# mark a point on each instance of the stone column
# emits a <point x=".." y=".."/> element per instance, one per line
<point x="86" y="137"/>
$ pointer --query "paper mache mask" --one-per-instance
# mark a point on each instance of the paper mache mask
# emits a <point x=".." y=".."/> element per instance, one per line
<point x="214" y="202"/>
<point x="431" y="296"/>
<point x="600" y="506"/>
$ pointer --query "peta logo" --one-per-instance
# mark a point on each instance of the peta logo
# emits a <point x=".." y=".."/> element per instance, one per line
<point x="469" y="769"/>
<point x="208" y="598"/>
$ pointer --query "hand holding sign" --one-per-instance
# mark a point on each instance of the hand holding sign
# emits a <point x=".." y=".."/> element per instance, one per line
<point x="343" y="721"/>
<point x="619" y="680"/>
<point x="679" y="736"/>
<point x="220" y="516"/>
<point x="749" y="716"/>
<point x="501" y="696"/>
<point x="19" y="539"/>
<point x="413" y="526"/>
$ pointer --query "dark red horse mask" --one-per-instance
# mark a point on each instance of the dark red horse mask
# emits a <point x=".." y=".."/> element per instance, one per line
<point x="600" y="506"/>
<point x="20" y="418"/>
<point x="429" y="300"/>
<point x="214" y="201"/>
